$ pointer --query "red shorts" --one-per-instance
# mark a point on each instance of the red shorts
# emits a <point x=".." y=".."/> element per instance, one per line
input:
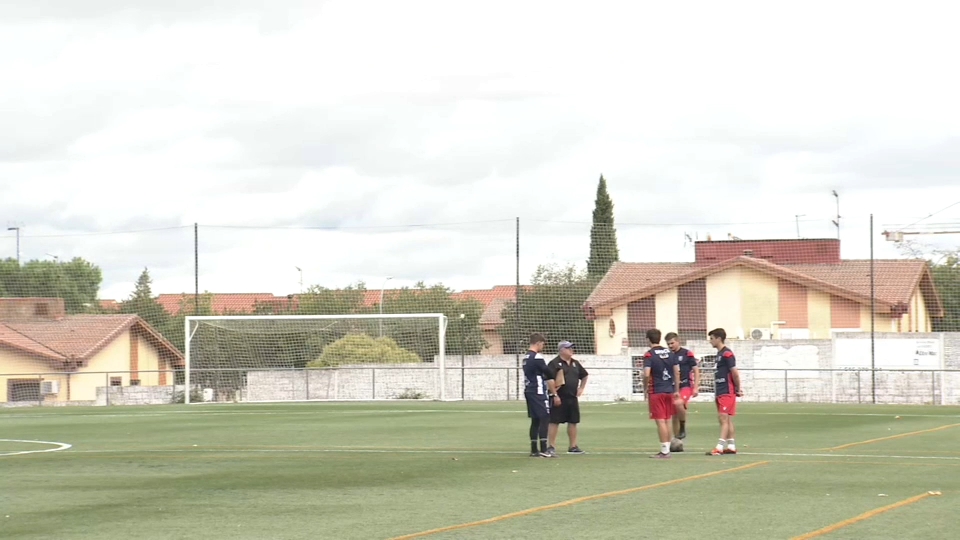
<point x="727" y="404"/>
<point x="686" y="394"/>
<point x="661" y="406"/>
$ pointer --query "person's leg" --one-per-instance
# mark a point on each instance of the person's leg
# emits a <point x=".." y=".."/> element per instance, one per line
<point x="573" y="422"/>
<point x="731" y="431"/>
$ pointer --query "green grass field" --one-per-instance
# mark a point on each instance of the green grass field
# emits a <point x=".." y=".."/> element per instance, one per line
<point x="385" y="470"/>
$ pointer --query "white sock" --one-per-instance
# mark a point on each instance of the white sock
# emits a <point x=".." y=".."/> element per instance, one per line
<point x="720" y="445"/>
<point x="664" y="448"/>
<point x="731" y="445"/>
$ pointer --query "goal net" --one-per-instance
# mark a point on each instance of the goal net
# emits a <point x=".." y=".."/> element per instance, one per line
<point x="314" y="357"/>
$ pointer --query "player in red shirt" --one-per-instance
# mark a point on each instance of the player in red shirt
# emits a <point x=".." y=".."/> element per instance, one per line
<point x="727" y="382"/>
<point x="689" y="382"/>
<point x="662" y="380"/>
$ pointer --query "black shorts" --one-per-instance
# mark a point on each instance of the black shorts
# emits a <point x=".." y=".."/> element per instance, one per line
<point x="538" y="406"/>
<point x="567" y="413"/>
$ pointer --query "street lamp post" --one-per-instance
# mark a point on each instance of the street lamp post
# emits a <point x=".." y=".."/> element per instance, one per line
<point x="18" y="242"/>
<point x="382" y="287"/>
<point x="56" y="260"/>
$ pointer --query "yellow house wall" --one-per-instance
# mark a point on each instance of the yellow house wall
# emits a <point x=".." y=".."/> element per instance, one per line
<point x="149" y="360"/>
<point x="819" y="318"/>
<point x="114" y="357"/>
<point x="601" y="331"/>
<point x="14" y="365"/>
<point x="492" y="337"/>
<point x="760" y="299"/>
<point x="724" y="302"/>
<point x="919" y="316"/>
<point x="884" y="323"/>
<point x="667" y="320"/>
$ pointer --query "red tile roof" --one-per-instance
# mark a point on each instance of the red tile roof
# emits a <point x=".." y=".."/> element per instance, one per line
<point x="76" y="337"/>
<point x="895" y="280"/>
<point x="220" y="302"/>
<point x="493" y="301"/>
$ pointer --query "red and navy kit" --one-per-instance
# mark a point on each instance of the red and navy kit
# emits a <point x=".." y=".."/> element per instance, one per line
<point x="687" y="361"/>
<point x="661" y="362"/>
<point x="725" y="362"/>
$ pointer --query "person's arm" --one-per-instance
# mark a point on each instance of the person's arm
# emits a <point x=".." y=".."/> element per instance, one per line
<point x="549" y="377"/>
<point x="676" y="381"/>
<point x="735" y="378"/>
<point x="584" y="374"/>
<point x="695" y="380"/>
<point x="552" y="384"/>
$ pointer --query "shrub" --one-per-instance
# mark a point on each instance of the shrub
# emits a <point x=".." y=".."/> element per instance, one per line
<point x="363" y="349"/>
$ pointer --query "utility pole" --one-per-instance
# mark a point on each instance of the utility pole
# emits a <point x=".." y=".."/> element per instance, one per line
<point x="797" y="217"/>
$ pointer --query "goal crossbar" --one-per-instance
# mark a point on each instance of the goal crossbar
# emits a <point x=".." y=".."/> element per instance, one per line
<point x="189" y="328"/>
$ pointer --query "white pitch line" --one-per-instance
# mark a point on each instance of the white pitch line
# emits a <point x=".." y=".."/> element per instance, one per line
<point x="320" y="412"/>
<point x="59" y="446"/>
<point x="441" y="451"/>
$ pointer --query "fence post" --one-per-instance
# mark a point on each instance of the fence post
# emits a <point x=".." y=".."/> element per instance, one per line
<point x="933" y="387"/>
<point x="39" y="390"/>
<point x="859" y="397"/>
<point x="373" y="385"/>
<point x="106" y="390"/>
<point x="306" y="383"/>
<point x="507" y="378"/>
<point x="786" y="387"/>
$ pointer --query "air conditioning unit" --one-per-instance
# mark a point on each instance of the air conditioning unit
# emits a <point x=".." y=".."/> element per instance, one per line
<point x="760" y="333"/>
<point x="50" y="387"/>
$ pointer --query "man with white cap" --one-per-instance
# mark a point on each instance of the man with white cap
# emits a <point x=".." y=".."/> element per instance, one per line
<point x="571" y="380"/>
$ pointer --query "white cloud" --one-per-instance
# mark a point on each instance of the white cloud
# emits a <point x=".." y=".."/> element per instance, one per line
<point x="705" y="118"/>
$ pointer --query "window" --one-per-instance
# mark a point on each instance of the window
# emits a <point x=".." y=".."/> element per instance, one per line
<point x="23" y="390"/>
<point x="116" y="381"/>
<point x="134" y="382"/>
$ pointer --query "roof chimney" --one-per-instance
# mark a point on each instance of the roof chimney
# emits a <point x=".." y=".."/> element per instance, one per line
<point x="31" y="309"/>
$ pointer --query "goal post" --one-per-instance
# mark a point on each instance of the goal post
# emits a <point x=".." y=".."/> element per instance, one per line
<point x="269" y="358"/>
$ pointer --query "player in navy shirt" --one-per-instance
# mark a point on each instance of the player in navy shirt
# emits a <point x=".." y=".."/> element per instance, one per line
<point x="727" y="382"/>
<point x="538" y="391"/>
<point x="689" y="382"/>
<point x="662" y="375"/>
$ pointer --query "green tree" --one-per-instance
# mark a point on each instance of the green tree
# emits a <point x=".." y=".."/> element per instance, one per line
<point x="946" y="278"/>
<point x="143" y="303"/>
<point x="421" y="335"/>
<point x="323" y="301"/>
<point x="552" y="305"/>
<point x="355" y="349"/>
<point x="76" y="281"/>
<point x="603" y="235"/>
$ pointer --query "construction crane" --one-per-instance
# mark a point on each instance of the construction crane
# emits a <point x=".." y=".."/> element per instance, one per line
<point x="897" y="236"/>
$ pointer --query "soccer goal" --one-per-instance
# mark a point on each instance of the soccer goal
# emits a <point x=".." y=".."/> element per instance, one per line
<point x="274" y="358"/>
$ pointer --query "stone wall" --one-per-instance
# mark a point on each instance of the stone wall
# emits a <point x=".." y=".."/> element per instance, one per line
<point x="802" y="371"/>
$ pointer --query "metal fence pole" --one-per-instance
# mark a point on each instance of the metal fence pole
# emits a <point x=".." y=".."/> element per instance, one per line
<point x="373" y="383"/>
<point x="106" y="390"/>
<point x="39" y="389"/>
<point x="786" y="387"/>
<point x="859" y="395"/>
<point x="933" y="387"/>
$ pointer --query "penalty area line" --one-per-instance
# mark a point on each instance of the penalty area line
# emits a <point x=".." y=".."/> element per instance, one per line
<point x="865" y="516"/>
<point x="578" y="500"/>
<point x="59" y="446"/>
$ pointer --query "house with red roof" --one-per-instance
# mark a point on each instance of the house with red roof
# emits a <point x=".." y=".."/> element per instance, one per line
<point x="761" y="289"/>
<point x="47" y="355"/>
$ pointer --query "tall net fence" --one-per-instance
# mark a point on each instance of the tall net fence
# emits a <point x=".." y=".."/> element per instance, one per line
<point x="869" y="315"/>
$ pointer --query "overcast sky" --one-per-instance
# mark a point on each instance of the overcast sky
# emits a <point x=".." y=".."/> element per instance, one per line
<point x="366" y="117"/>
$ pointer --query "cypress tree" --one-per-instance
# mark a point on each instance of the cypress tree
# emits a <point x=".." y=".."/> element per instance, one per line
<point x="603" y="235"/>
